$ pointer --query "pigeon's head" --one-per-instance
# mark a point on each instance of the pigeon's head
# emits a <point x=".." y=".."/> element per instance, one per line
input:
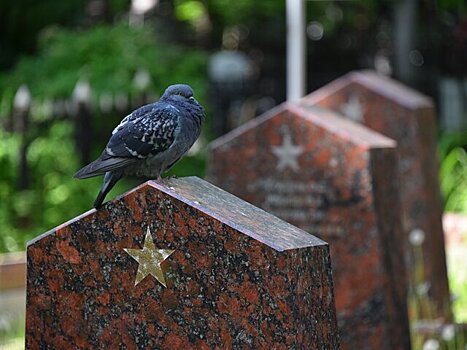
<point x="182" y="90"/>
<point x="181" y="96"/>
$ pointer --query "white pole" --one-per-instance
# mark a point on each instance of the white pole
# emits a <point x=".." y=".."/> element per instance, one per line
<point x="295" y="49"/>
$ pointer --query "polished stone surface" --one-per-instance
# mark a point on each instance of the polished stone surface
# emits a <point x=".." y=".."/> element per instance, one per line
<point x="337" y="180"/>
<point x="237" y="277"/>
<point x="408" y="117"/>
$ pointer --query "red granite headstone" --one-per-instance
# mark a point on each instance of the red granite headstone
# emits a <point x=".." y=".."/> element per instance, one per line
<point x="336" y="179"/>
<point x="408" y="117"/>
<point x="179" y="264"/>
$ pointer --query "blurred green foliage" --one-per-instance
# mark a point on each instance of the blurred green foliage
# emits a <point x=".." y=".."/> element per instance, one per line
<point x="21" y="20"/>
<point x="51" y="162"/>
<point x="453" y="171"/>
<point x="12" y="338"/>
<point x="426" y="327"/>
<point x="108" y="57"/>
<point x="458" y="279"/>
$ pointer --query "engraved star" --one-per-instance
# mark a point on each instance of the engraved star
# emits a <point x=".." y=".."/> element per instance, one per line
<point x="149" y="260"/>
<point x="353" y="108"/>
<point x="287" y="154"/>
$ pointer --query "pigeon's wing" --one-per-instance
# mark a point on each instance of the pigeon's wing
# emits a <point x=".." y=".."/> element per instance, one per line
<point x="150" y="134"/>
<point x="135" y="115"/>
<point x="147" y="131"/>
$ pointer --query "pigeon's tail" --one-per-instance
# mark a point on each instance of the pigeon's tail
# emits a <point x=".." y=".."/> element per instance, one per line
<point x="102" y="165"/>
<point x="110" y="179"/>
<point x="90" y="170"/>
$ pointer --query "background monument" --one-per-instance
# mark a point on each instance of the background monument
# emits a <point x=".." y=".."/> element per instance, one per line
<point x="338" y="180"/>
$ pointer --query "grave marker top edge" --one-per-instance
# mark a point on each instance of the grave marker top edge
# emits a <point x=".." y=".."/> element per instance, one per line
<point x="353" y="132"/>
<point x="66" y="223"/>
<point x="389" y="88"/>
<point x="247" y="126"/>
<point x="222" y="206"/>
<point x="230" y="210"/>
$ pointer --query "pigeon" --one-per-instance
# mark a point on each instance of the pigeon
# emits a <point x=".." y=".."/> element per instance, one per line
<point x="149" y="141"/>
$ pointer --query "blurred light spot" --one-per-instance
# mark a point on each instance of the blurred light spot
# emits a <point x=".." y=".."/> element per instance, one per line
<point x="59" y="194"/>
<point x="416" y="58"/>
<point x="140" y="7"/>
<point x="431" y="344"/>
<point x="416" y="237"/>
<point x="382" y="64"/>
<point x="41" y="111"/>
<point x="448" y="332"/>
<point x="51" y="180"/>
<point x="315" y="30"/>
<point x="82" y="92"/>
<point x="226" y="66"/>
<point x="10" y="244"/>
<point x="231" y="38"/>
<point x="142" y="79"/>
<point x="194" y="12"/>
<point x="47" y="107"/>
<point x="23" y="98"/>
<point x="334" y="13"/>
<point x="5" y="325"/>
<point x="423" y="288"/>
<point x="190" y="11"/>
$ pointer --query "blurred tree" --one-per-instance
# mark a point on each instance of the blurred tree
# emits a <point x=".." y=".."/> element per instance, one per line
<point x="108" y="57"/>
<point x="22" y="20"/>
<point x="121" y="64"/>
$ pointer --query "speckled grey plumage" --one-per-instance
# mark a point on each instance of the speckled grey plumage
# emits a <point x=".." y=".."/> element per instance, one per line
<point x="150" y="140"/>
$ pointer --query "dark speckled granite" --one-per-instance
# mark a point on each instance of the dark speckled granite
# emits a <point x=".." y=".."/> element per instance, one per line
<point x="239" y="278"/>
<point x="408" y="117"/>
<point x="337" y="180"/>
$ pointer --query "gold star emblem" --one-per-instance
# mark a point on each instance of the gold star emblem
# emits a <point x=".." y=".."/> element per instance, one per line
<point x="149" y="260"/>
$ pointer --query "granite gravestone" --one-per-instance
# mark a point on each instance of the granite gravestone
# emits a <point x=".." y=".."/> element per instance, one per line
<point x="179" y="264"/>
<point x="336" y="179"/>
<point x="408" y="117"/>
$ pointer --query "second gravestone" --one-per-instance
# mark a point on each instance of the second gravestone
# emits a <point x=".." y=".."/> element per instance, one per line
<point x="408" y="117"/>
<point x="179" y="264"/>
<point x="336" y="179"/>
